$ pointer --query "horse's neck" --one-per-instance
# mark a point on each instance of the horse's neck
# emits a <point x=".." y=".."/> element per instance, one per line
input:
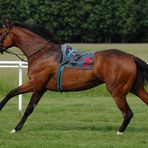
<point x="30" y="43"/>
<point x="27" y="41"/>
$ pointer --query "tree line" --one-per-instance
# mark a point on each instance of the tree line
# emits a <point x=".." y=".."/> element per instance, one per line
<point x="93" y="21"/>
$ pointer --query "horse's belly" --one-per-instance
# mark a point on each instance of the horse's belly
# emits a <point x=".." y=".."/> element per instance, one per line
<point x="78" y="86"/>
<point x="74" y="80"/>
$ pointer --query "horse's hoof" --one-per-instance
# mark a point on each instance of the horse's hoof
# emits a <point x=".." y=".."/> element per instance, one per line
<point x="119" y="133"/>
<point x="13" y="131"/>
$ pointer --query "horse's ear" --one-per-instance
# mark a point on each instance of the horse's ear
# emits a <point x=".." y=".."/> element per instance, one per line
<point x="8" y="23"/>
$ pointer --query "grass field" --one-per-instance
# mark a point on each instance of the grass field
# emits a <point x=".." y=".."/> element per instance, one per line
<point x="87" y="119"/>
<point x="75" y="122"/>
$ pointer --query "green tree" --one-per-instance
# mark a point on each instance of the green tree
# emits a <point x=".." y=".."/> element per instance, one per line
<point x="127" y="13"/>
<point x="142" y="19"/>
<point x="84" y="20"/>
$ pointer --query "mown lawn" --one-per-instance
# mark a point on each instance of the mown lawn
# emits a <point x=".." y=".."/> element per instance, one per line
<point x="75" y="122"/>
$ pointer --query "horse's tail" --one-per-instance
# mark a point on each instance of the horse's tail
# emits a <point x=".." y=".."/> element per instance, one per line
<point x="142" y="71"/>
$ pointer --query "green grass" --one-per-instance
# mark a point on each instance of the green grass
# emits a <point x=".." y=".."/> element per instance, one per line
<point x="87" y="119"/>
<point x="74" y="123"/>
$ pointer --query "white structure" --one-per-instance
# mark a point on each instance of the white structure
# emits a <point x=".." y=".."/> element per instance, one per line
<point x="19" y="65"/>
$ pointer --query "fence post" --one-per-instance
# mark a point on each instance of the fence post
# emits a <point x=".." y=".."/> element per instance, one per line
<point x="20" y="83"/>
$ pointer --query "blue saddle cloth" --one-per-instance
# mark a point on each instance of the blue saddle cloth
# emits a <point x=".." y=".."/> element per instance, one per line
<point x="73" y="59"/>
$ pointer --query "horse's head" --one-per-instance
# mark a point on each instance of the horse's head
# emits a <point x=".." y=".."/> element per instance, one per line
<point x="28" y="38"/>
<point x="5" y="36"/>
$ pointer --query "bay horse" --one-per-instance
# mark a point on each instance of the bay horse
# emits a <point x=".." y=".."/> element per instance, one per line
<point x="121" y="72"/>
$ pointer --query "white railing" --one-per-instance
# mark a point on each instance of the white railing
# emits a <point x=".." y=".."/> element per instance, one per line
<point x="19" y="65"/>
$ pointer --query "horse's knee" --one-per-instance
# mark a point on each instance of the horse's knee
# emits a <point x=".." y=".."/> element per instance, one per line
<point x="29" y="111"/>
<point x="10" y="95"/>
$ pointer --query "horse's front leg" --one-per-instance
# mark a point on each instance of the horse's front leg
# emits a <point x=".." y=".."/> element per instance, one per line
<point x="11" y="94"/>
<point x="33" y="102"/>
<point x="30" y="86"/>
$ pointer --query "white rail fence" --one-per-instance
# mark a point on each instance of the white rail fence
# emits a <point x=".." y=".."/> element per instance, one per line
<point x="19" y="65"/>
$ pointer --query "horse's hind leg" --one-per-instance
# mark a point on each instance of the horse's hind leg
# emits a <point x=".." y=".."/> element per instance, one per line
<point x="33" y="102"/>
<point x="119" y="93"/>
<point x="126" y="111"/>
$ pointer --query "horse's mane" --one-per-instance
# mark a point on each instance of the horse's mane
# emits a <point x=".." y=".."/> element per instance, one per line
<point x="40" y="30"/>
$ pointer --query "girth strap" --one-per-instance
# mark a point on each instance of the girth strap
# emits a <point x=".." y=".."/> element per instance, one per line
<point x="59" y="78"/>
<point x="61" y="69"/>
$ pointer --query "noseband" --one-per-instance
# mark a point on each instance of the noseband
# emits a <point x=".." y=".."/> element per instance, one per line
<point x="2" y="39"/>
